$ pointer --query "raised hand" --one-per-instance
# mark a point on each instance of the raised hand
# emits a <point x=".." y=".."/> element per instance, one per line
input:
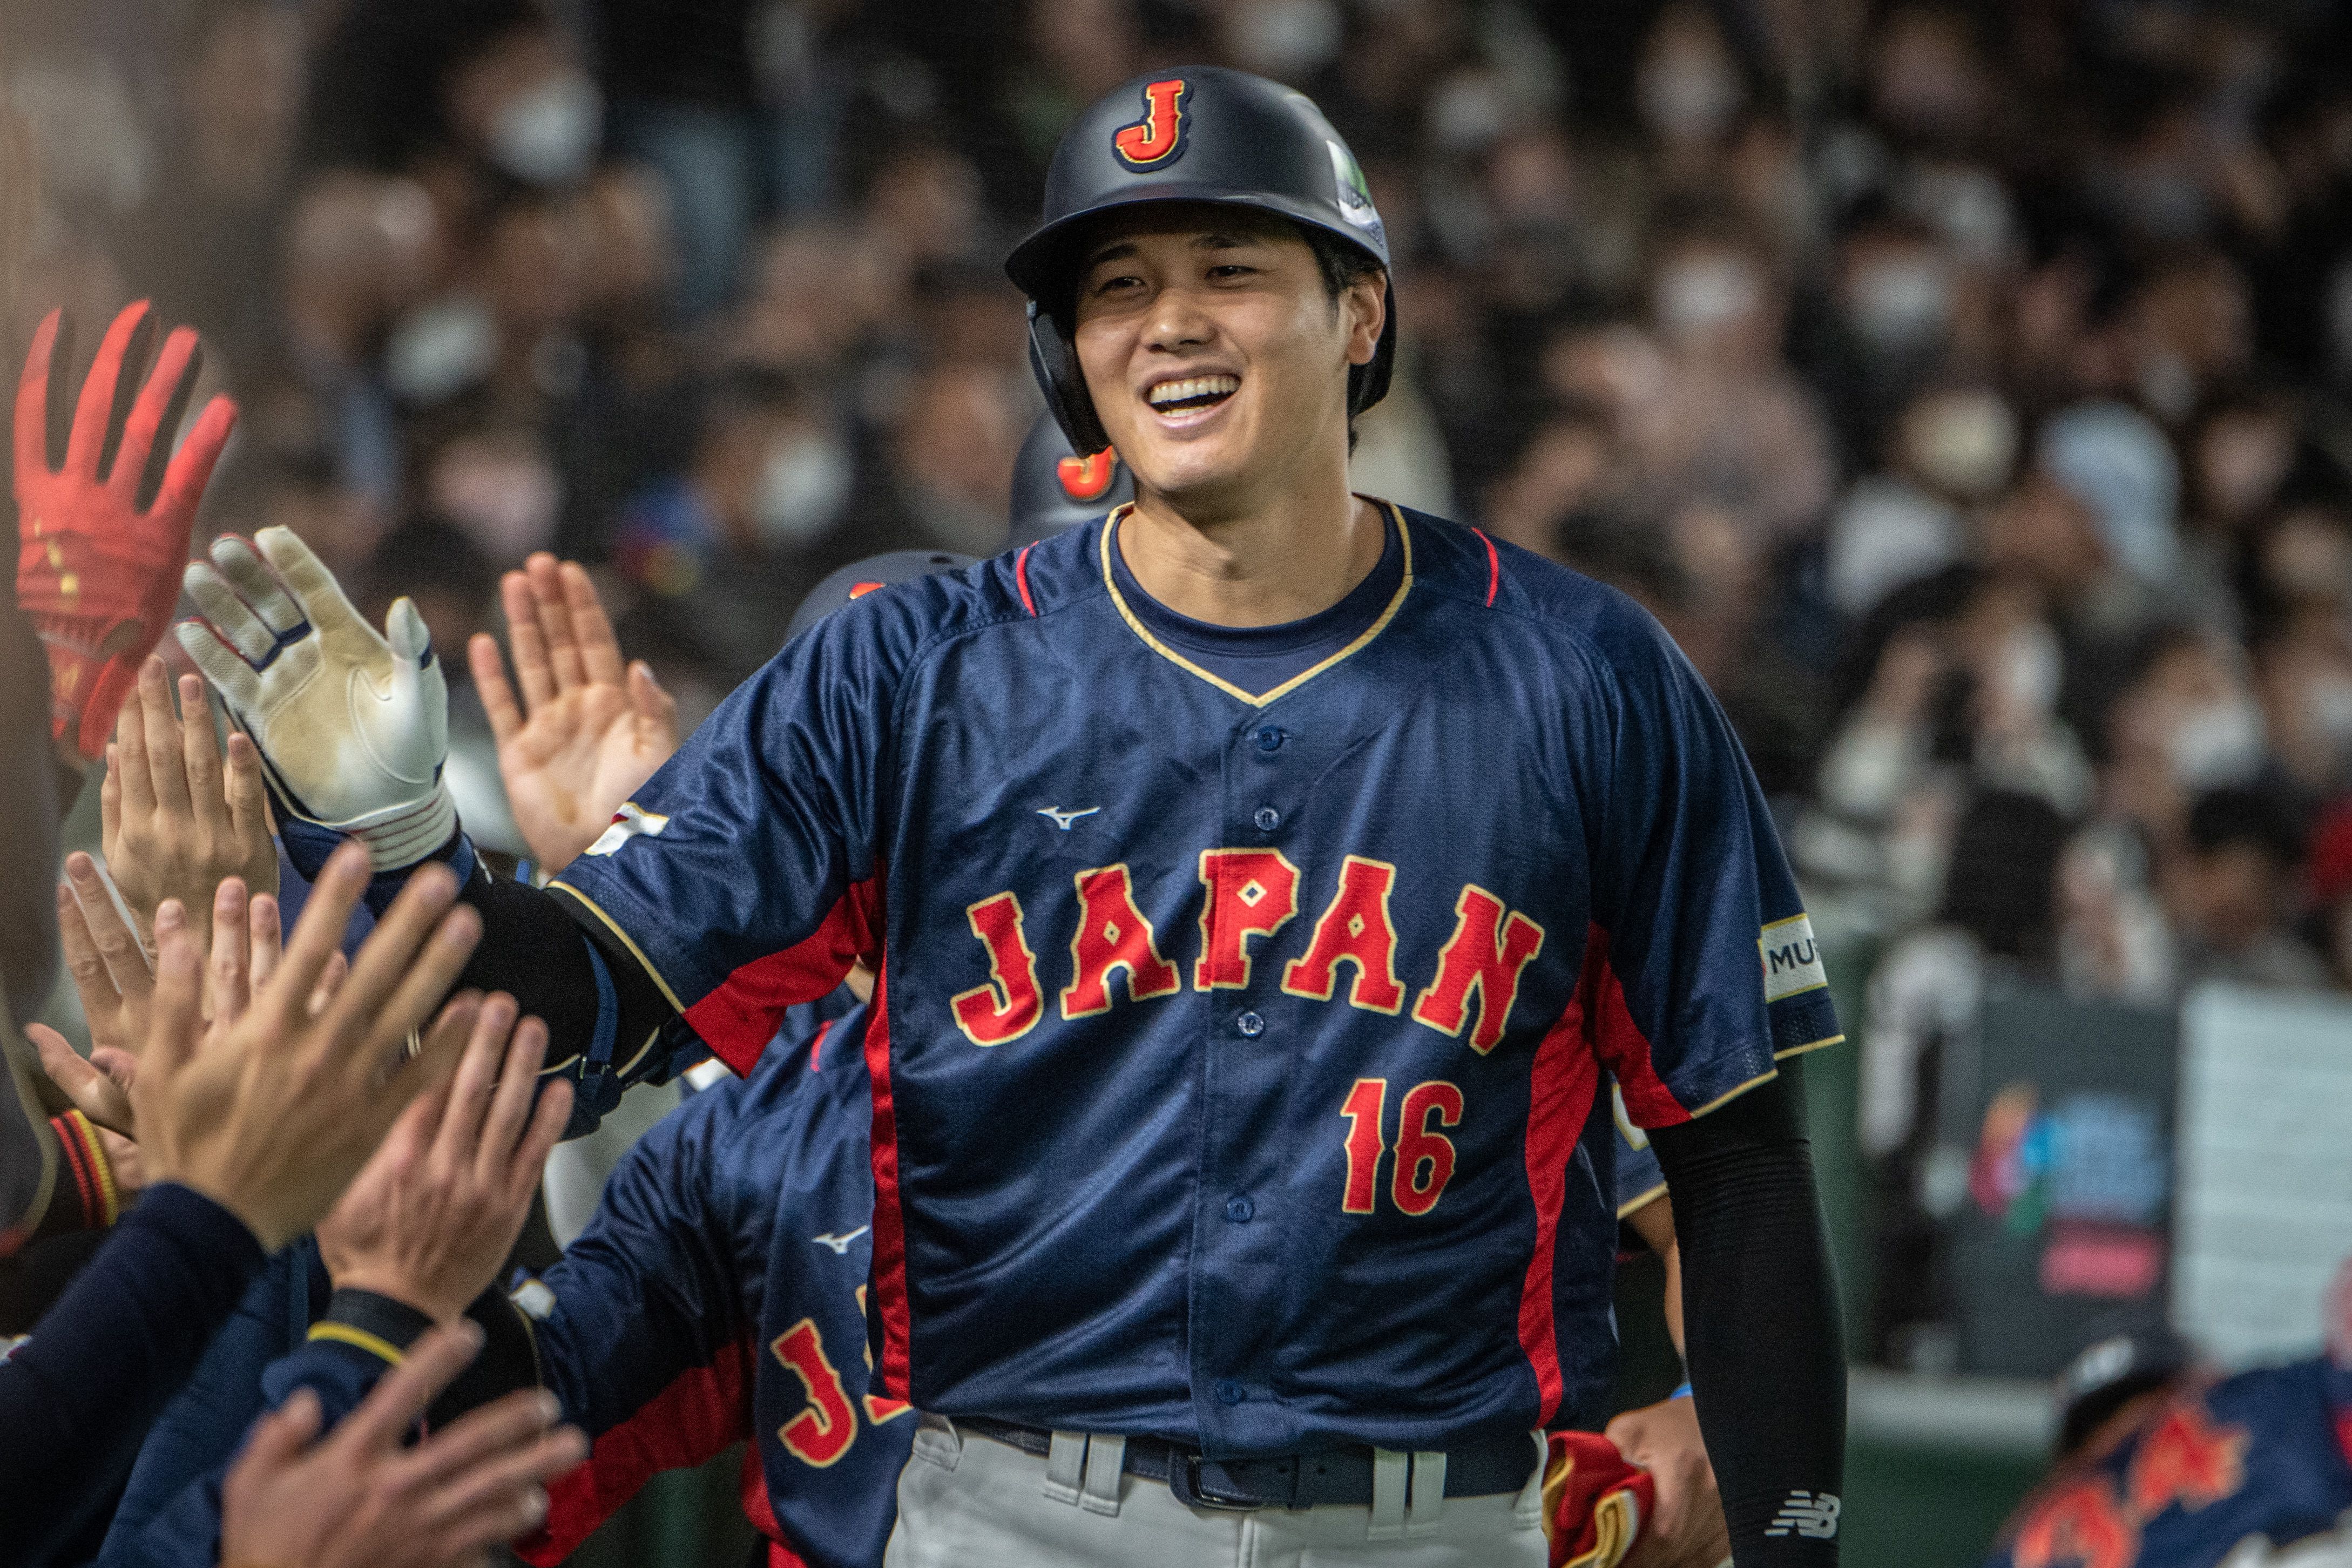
<point x="360" y="1498"/>
<point x="595" y="730"/>
<point x="112" y="975"/>
<point x="173" y="822"/>
<point x="431" y="1216"/>
<point x="273" y="1115"/>
<point x="102" y="539"/>
<point x="352" y="724"/>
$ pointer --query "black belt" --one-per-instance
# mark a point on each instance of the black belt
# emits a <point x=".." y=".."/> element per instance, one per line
<point x="1327" y="1476"/>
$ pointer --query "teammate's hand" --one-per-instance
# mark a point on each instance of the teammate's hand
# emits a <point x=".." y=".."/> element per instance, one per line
<point x="360" y="1499"/>
<point x="1686" y="1529"/>
<point x="113" y="970"/>
<point x="434" y="1214"/>
<point x="595" y="730"/>
<point x="244" y="951"/>
<point x="101" y="539"/>
<point x="173" y="822"/>
<point x="272" y="1117"/>
<point x="353" y="725"/>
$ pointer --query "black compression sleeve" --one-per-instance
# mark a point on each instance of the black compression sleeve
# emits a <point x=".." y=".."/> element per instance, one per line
<point x="535" y="950"/>
<point x="1760" y="1316"/>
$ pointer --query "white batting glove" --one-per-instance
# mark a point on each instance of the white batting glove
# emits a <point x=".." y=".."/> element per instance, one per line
<point x="352" y="727"/>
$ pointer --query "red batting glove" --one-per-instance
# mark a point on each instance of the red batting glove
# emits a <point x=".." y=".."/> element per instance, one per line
<point x="96" y="575"/>
<point x="1595" y="1500"/>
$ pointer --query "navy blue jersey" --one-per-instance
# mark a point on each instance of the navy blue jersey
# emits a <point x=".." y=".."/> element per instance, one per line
<point x="2193" y="1476"/>
<point x="1231" y="1052"/>
<point x="718" y="1295"/>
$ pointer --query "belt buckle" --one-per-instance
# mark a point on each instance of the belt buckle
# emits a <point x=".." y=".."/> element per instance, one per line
<point x="1184" y="1480"/>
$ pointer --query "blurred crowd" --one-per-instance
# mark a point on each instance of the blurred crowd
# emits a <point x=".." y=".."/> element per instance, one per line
<point x="1967" y="386"/>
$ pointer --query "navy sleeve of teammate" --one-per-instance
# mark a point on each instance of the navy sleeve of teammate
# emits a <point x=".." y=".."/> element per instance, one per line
<point x="640" y="1327"/>
<point x="745" y="876"/>
<point x="1713" y="973"/>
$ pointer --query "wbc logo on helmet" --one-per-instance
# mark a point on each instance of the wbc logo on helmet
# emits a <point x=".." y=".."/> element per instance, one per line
<point x="1156" y="139"/>
<point x="1084" y="478"/>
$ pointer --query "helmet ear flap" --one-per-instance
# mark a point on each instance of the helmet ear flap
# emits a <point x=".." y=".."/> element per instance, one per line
<point x="1055" y="364"/>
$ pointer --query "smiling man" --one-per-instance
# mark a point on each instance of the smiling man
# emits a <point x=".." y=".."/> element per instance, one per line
<point x="1258" y="880"/>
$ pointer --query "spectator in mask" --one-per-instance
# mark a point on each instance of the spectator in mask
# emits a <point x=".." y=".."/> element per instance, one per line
<point x="1951" y="450"/>
<point x="722" y="553"/>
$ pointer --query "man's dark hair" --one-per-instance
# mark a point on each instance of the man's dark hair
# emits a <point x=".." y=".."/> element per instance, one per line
<point x="1341" y="264"/>
<point x="2228" y="818"/>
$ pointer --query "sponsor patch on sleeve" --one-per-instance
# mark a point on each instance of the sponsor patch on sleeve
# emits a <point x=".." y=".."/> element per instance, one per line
<point x="1792" y="960"/>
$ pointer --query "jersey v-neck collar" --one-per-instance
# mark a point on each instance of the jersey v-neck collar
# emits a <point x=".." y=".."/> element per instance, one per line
<point x="1135" y="623"/>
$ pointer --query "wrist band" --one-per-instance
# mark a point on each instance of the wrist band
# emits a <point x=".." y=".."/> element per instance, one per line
<point x="92" y="1173"/>
<point x="376" y="1323"/>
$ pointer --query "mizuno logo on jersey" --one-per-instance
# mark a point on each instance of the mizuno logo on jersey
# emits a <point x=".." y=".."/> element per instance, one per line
<point x="1249" y="896"/>
<point x="840" y="1244"/>
<point x="1062" y="819"/>
<point x="628" y="822"/>
<point x="1792" y="960"/>
<point x="1813" y="1515"/>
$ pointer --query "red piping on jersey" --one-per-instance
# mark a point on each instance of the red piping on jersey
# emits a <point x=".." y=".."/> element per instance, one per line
<point x="761" y="1510"/>
<point x="738" y="1019"/>
<point x="1561" y="1084"/>
<point x="695" y="1416"/>
<point x="1494" y="567"/>
<point x="890" y="1223"/>
<point x="816" y="1046"/>
<point x="1020" y="577"/>
<point x="1620" y="1043"/>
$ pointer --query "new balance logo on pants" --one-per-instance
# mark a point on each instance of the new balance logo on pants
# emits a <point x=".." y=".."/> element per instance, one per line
<point x="1813" y="1515"/>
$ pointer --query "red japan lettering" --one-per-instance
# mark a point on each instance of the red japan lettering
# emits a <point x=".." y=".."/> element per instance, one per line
<point x="1113" y="935"/>
<point x="2187" y="1460"/>
<point x="2079" y="1525"/>
<point x="1009" y="1006"/>
<point x="821" y="1434"/>
<point x="1158" y="138"/>
<point x="1249" y="892"/>
<point x="1485" y="954"/>
<point x="1355" y="930"/>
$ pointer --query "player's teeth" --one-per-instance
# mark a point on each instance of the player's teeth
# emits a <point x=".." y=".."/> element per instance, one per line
<point x="1168" y="391"/>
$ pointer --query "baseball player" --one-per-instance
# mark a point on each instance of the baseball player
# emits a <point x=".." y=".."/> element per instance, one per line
<point x="1258" y="882"/>
<point x="2163" y="1466"/>
<point x="698" y="1309"/>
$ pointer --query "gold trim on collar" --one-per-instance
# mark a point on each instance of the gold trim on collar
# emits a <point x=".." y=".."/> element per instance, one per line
<point x="1255" y="699"/>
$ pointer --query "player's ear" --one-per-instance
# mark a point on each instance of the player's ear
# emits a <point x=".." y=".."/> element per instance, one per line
<point x="1365" y="303"/>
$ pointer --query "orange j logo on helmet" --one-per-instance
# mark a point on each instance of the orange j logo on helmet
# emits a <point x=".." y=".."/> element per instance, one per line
<point x="1158" y="138"/>
<point x="1084" y="479"/>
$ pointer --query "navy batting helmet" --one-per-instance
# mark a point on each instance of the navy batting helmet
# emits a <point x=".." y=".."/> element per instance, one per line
<point x="1201" y="133"/>
<point x="2140" y="1353"/>
<point x="1054" y="488"/>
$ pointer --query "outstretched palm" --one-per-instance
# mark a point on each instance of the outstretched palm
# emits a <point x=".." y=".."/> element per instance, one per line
<point x="594" y="729"/>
